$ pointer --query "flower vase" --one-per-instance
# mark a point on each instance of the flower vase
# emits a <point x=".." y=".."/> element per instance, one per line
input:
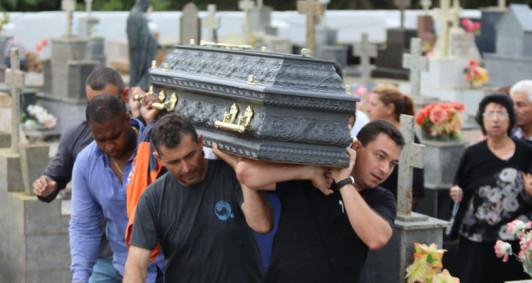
<point x="477" y="84"/>
<point x="425" y="135"/>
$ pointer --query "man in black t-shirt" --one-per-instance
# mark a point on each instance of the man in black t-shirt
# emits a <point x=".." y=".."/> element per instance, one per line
<point x="198" y="212"/>
<point x="324" y="234"/>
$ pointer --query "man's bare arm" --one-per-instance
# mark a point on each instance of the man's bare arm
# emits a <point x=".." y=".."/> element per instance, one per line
<point x="136" y="265"/>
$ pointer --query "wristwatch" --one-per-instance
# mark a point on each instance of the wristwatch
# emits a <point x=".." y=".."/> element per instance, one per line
<point x="344" y="182"/>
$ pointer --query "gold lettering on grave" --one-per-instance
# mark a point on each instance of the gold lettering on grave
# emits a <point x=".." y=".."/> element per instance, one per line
<point x="243" y="121"/>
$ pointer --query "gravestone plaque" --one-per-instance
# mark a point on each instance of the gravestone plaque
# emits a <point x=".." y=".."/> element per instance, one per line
<point x="190" y="25"/>
<point x="261" y="105"/>
<point x="389" y="61"/>
<point x="488" y="20"/>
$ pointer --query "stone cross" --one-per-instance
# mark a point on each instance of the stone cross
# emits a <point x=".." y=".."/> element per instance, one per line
<point x="502" y="4"/>
<point x="260" y="4"/>
<point x="411" y="156"/>
<point x="69" y="6"/>
<point x="402" y="4"/>
<point x="88" y="4"/>
<point x="443" y="15"/>
<point x="426" y="5"/>
<point x="211" y="23"/>
<point x="417" y="63"/>
<point x="15" y="79"/>
<point x="246" y="6"/>
<point x="312" y="9"/>
<point x="455" y="13"/>
<point x="365" y="50"/>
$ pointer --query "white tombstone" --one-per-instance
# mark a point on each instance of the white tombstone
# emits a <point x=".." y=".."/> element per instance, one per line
<point x="365" y="50"/>
<point x="15" y="79"/>
<point x="68" y="6"/>
<point x="443" y="16"/>
<point x="211" y="22"/>
<point x="425" y="4"/>
<point x="246" y="6"/>
<point x="416" y="63"/>
<point x="311" y="9"/>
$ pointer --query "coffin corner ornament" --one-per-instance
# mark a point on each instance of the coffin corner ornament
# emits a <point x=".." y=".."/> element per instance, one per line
<point x="261" y="105"/>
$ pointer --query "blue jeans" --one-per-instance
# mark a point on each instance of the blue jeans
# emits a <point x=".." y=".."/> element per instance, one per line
<point x="104" y="272"/>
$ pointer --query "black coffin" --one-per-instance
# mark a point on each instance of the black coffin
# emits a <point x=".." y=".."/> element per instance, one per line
<point x="261" y="105"/>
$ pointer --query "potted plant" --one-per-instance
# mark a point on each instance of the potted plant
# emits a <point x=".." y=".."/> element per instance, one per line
<point x="427" y="266"/>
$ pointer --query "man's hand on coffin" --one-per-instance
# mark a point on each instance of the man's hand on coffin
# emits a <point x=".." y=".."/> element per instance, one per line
<point x="322" y="180"/>
<point x="134" y="105"/>
<point x="146" y="110"/>
<point x="229" y="158"/>
<point x="339" y="174"/>
<point x="44" y="186"/>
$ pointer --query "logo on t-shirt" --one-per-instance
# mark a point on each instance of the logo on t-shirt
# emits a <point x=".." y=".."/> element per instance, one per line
<point x="222" y="209"/>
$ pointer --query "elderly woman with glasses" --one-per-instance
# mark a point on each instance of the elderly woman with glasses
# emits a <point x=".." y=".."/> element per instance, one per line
<point x="490" y="187"/>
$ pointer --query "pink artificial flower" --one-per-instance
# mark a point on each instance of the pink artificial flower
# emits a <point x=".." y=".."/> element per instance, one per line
<point x="517" y="227"/>
<point x="458" y="106"/>
<point x="503" y="249"/>
<point x="475" y="26"/>
<point x="38" y="47"/>
<point x="361" y="91"/>
<point x="438" y="115"/>
<point x="44" y="42"/>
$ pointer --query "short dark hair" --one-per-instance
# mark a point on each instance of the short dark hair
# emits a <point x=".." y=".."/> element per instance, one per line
<point x="371" y="130"/>
<point x="103" y="108"/>
<point x="101" y="77"/>
<point x="170" y="129"/>
<point x="501" y="99"/>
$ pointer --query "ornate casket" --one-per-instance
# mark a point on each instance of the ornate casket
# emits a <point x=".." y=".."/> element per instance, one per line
<point x="261" y="105"/>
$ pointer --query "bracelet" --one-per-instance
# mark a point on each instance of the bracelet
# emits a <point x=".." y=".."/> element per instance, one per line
<point x="344" y="182"/>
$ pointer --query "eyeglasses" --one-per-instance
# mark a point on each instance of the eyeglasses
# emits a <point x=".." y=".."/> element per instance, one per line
<point x="492" y="115"/>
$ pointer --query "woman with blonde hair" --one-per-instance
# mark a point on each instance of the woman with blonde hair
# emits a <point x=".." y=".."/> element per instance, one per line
<point x="386" y="102"/>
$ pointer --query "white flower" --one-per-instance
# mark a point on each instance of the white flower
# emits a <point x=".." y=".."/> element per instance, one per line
<point x="483" y="191"/>
<point x="481" y="212"/>
<point x="508" y="175"/>
<point x="510" y="204"/>
<point x="494" y="195"/>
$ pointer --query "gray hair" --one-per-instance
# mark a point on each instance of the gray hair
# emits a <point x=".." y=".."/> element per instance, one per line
<point x="523" y="86"/>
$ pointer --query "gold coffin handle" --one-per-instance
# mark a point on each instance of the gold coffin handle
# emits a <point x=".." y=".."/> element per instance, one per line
<point x="229" y="120"/>
<point x="169" y="105"/>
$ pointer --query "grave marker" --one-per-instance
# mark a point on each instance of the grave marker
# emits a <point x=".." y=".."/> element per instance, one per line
<point x="211" y="23"/>
<point x="411" y="156"/>
<point x="68" y="6"/>
<point x="311" y="9"/>
<point x="15" y="79"/>
<point x="365" y="50"/>
<point x="416" y="63"/>
<point x="443" y="15"/>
